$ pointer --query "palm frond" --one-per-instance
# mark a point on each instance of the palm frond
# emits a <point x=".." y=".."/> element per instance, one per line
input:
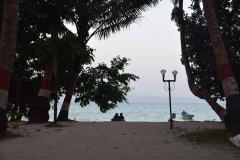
<point x="109" y="16"/>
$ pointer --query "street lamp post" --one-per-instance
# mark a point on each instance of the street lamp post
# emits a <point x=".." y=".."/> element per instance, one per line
<point x="169" y="89"/>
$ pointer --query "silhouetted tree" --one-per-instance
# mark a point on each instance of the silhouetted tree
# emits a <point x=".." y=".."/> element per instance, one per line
<point x="7" y="54"/>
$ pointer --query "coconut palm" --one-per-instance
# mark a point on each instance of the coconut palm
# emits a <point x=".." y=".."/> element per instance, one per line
<point x="104" y="17"/>
<point x="39" y="111"/>
<point x="7" y="54"/>
<point x="230" y="87"/>
<point x="53" y="18"/>
<point x="177" y="15"/>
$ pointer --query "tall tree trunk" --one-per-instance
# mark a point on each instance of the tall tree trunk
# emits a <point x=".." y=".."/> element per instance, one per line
<point x="55" y="87"/>
<point x="63" y="114"/>
<point x="23" y="101"/>
<point x="7" y="54"/>
<point x="39" y="111"/>
<point x="82" y="34"/>
<point x="220" y="111"/>
<point x="230" y="87"/>
<point x="18" y="89"/>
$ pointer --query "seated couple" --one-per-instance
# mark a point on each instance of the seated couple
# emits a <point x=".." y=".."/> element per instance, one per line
<point x="118" y="118"/>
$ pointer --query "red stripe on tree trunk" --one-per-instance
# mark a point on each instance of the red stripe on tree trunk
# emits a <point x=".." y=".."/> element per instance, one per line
<point x="4" y="79"/>
<point x="46" y="84"/>
<point x="68" y="98"/>
<point x="225" y="71"/>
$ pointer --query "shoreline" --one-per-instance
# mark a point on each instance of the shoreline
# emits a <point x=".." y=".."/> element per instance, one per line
<point x="112" y="140"/>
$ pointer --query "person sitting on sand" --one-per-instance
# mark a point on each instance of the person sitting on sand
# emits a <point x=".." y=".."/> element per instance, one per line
<point x="116" y="116"/>
<point x="121" y="116"/>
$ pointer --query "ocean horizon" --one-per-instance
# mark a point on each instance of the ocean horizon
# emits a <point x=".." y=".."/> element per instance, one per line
<point x="140" y="112"/>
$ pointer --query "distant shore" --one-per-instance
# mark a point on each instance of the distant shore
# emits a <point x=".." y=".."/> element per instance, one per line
<point x="111" y="140"/>
<point x="160" y="99"/>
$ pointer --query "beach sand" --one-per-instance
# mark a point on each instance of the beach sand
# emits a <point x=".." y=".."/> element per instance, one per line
<point x="113" y="141"/>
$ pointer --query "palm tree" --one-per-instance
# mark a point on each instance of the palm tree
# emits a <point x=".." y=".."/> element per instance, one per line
<point x="220" y="111"/>
<point x="230" y="87"/>
<point x="39" y="111"/>
<point x="105" y="17"/>
<point x="7" y="54"/>
<point x="21" y="66"/>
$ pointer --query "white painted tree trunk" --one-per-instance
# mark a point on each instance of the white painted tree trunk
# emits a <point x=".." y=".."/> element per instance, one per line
<point x="230" y="87"/>
<point x="8" y="43"/>
<point x="229" y="84"/>
<point x="39" y="111"/>
<point x="220" y="111"/>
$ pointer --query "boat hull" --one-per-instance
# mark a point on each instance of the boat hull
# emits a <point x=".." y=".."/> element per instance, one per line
<point x="186" y="116"/>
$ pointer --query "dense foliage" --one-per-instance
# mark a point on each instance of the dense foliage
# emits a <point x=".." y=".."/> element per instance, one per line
<point x="199" y="47"/>
<point x="106" y="86"/>
<point x="39" y="19"/>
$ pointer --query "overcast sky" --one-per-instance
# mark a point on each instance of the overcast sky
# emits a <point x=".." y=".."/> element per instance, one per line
<point x="152" y="45"/>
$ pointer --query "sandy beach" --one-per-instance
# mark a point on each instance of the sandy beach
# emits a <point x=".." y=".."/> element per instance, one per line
<point x="113" y="140"/>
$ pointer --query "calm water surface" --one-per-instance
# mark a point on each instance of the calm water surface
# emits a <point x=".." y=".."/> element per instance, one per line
<point x="141" y="112"/>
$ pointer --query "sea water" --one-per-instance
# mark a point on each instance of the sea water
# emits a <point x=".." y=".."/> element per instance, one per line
<point x="140" y="112"/>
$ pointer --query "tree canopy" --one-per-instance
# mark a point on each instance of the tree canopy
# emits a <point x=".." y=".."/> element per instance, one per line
<point x="199" y="46"/>
<point x="38" y="19"/>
